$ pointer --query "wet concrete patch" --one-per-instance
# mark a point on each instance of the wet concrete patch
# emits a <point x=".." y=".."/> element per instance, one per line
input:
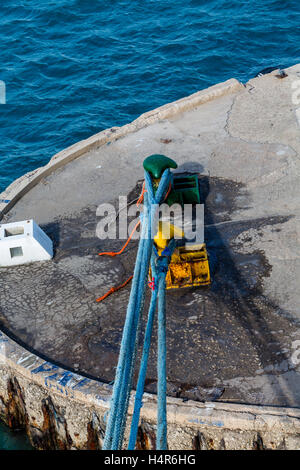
<point x="222" y="197"/>
<point x="214" y="334"/>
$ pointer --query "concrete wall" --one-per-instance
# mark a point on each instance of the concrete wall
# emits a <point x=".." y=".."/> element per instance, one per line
<point x="63" y="410"/>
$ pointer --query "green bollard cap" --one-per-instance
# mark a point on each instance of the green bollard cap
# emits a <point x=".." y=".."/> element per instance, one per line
<point x="157" y="164"/>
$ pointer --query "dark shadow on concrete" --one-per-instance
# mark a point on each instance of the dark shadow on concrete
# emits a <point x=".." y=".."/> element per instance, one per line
<point x="53" y="231"/>
<point x="232" y="288"/>
<point x="190" y="167"/>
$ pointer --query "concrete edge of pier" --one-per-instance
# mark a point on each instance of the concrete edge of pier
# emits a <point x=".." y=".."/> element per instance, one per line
<point x="64" y="410"/>
<point x="25" y="183"/>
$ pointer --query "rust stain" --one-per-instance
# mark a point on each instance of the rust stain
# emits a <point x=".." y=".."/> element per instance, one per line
<point x="200" y="442"/>
<point x="146" y="438"/>
<point x="93" y="439"/>
<point x="54" y="434"/>
<point x="15" y="409"/>
<point x="95" y="433"/>
<point x="258" y="444"/>
<point x="210" y="444"/>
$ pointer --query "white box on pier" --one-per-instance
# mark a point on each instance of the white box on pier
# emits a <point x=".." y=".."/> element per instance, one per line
<point x="23" y="242"/>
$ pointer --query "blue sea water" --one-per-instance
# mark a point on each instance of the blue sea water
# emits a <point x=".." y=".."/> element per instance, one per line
<point x="75" y="67"/>
<point x="10" y="440"/>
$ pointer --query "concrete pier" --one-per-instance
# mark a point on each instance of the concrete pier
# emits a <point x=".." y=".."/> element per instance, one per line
<point x="233" y="362"/>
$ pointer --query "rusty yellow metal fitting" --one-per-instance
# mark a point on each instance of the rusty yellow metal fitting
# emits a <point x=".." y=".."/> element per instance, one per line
<point x="166" y="231"/>
<point x="189" y="268"/>
<point x="189" y="265"/>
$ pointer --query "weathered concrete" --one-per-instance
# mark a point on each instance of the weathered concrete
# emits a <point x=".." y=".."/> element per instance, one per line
<point x="23" y="184"/>
<point x="63" y="410"/>
<point x="239" y="339"/>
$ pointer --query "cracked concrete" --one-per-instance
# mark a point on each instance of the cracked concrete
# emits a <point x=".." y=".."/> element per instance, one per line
<point x="236" y="337"/>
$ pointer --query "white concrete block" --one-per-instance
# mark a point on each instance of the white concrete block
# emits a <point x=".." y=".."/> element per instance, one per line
<point x="23" y="242"/>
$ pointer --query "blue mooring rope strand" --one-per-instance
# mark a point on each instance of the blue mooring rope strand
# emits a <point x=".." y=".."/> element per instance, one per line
<point x="161" y="437"/>
<point x="159" y="267"/>
<point x="123" y="355"/>
<point x="144" y="362"/>
<point x="123" y="381"/>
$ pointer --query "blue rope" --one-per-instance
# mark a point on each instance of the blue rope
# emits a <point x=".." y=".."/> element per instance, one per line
<point x="144" y="362"/>
<point x="123" y="355"/>
<point x="162" y="262"/>
<point x="159" y="267"/>
<point x="161" y="438"/>
<point x="123" y="380"/>
<point x="152" y="229"/>
<point x="129" y="366"/>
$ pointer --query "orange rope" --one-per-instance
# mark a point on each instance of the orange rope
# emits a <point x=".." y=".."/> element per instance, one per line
<point x="140" y="199"/>
<point x="114" y="289"/>
<point x="168" y="192"/>
<point x="113" y="253"/>
<point x="141" y="195"/>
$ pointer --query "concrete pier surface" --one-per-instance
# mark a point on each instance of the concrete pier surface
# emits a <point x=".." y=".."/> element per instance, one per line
<point x="236" y="342"/>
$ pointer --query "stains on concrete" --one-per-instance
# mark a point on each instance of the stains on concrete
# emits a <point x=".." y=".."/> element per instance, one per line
<point x="53" y="434"/>
<point x="222" y="198"/>
<point x="54" y="421"/>
<point x="54" y="431"/>
<point x="95" y="433"/>
<point x="224" y="331"/>
<point x="93" y="439"/>
<point x="258" y="443"/>
<point x="146" y="437"/>
<point x="234" y="336"/>
<point x="15" y="413"/>
<point x="200" y="442"/>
